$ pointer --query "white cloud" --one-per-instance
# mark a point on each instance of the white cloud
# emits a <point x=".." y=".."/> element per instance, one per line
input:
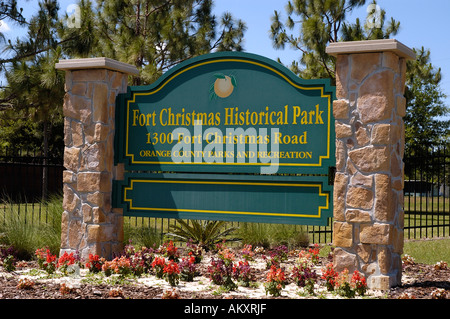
<point x="4" y="27"/>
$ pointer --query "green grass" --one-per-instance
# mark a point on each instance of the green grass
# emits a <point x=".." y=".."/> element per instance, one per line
<point x="426" y="225"/>
<point x="266" y="235"/>
<point x="425" y="217"/>
<point x="141" y="233"/>
<point x="427" y="203"/>
<point x="428" y="251"/>
<point x="27" y="228"/>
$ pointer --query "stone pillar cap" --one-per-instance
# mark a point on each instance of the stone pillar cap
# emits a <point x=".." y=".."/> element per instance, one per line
<point x="97" y="63"/>
<point x="386" y="45"/>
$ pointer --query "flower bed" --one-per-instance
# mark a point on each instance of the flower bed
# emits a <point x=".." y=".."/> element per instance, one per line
<point x="171" y="272"/>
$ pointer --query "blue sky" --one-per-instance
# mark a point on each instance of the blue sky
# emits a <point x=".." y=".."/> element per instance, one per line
<point x="422" y="24"/>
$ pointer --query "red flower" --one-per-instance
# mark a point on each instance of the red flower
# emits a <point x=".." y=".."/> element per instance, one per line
<point x="275" y="275"/>
<point x="95" y="263"/>
<point x="51" y="258"/>
<point x="330" y="276"/>
<point x="171" y="268"/>
<point x="358" y="282"/>
<point x="66" y="259"/>
<point x="158" y="261"/>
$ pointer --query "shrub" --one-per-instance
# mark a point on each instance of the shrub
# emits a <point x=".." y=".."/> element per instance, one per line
<point x="349" y="288"/>
<point x="9" y="263"/>
<point x="314" y="254"/>
<point x="343" y="285"/>
<point x="66" y="260"/>
<point x="25" y="234"/>
<point x="275" y="281"/>
<point x="141" y="236"/>
<point x="18" y="233"/>
<point x="195" y="251"/>
<point x="9" y="258"/>
<point x="247" y="252"/>
<point x="25" y="283"/>
<point x="330" y="275"/>
<point x="358" y="283"/>
<point x="265" y="235"/>
<point x="255" y="234"/>
<point x="243" y="273"/>
<point x="141" y="260"/>
<point x="158" y="265"/>
<point x="204" y="233"/>
<point x="46" y="260"/>
<point x="172" y="273"/>
<point x="220" y="272"/>
<point x="170" y="251"/>
<point x="147" y="255"/>
<point x="276" y="256"/>
<point x="188" y="268"/>
<point x="119" y="265"/>
<point x="305" y="276"/>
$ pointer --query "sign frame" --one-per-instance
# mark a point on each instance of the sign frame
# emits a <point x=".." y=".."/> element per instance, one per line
<point x="311" y="197"/>
<point x="124" y="136"/>
<point x="155" y="188"/>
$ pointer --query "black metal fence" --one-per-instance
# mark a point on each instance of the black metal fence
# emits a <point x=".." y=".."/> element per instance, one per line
<point x="26" y="176"/>
<point x="426" y="192"/>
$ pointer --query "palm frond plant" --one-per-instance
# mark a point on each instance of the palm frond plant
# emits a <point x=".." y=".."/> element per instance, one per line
<point x="204" y="233"/>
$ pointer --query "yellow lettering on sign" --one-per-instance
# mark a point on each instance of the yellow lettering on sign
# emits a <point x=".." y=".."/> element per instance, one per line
<point x="291" y="139"/>
<point x="319" y="119"/>
<point x="311" y="117"/>
<point x="234" y="117"/>
<point x="143" y="119"/>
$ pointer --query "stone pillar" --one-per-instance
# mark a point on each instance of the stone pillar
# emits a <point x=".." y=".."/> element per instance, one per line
<point x="88" y="223"/>
<point x="368" y="189"/>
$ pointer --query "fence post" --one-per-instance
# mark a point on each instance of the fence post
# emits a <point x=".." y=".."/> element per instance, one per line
<point x="89" y="225"/>
<point x="368" y="189"/>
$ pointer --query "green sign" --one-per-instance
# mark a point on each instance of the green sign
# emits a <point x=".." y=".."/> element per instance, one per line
<point x="226" y="112"/>
<point x="264" y="199"/>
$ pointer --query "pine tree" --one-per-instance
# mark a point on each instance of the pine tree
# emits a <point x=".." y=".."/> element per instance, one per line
<point x="325" y="21"/>
<point x="35" y="89"/>
<point x="322" y="22"/>
<point x="152" y="35"/>
<point x="10" y="11"/>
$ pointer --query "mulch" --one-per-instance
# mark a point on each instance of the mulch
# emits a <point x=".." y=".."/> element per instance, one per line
<point x="423" y="282"/>
<point x="420" y="282"/>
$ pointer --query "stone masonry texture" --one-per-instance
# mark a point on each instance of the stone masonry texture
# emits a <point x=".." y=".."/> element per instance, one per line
<point x="89" y="225"/>
<point x="368" y="190"/>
